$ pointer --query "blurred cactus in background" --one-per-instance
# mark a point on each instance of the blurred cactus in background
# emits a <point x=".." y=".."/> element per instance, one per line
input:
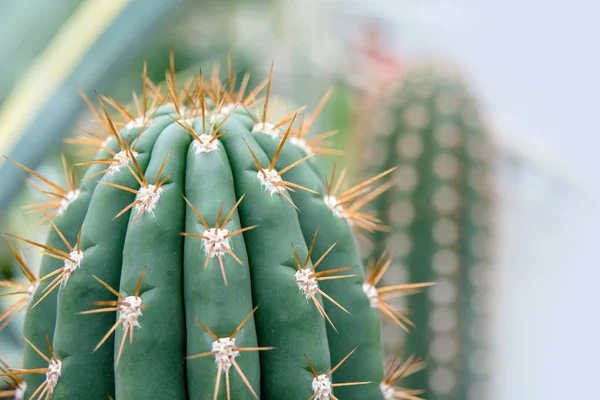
<point x="28" y="26"/>
<point x="439" y="213"/>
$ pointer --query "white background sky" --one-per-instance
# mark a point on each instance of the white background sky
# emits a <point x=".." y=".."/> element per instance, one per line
<point x="535" y="62"/>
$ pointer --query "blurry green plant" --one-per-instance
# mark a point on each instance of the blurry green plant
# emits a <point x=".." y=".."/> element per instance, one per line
<point x="439" y="212"/>
<point x="339" y="116"/>
<point x="27" y="27"/>
<point x="86" y="52"/>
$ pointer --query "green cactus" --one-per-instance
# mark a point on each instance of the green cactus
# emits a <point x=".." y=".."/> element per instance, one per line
<point x="438" y="213"/>
<point x="204" y="255"/>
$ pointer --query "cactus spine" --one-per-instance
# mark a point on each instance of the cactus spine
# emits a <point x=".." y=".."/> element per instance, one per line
<point x="439" y="215"/>
<point x="204" y="255"/>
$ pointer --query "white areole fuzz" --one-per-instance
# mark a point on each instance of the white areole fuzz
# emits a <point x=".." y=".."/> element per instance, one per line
<point x="227" y="108"/>
<point x="266" y="127"/>
<point x="321" y="386"/>
<point x="272" y="181"/>
<point x="107" y="141"/>
<point x="334" y="205"/>
<point x="71" y="264"/>
<point x="225" y="352"/>
<point x="20" y="391"/>
<point x="205" y="144"/>
<point x="138" y="123"/>
<point x="66" y="201"/>
<point x="308" y="285"/>
<point x="120" y="159"/>
<point x="31" y="289"/>
<point x="131" y="311"/>
<point x="387" y="391"/>
<point x="148" y="197"/>
<point x="301" y="143"/>
<point x="217" y="242"/>
<point x="54" y="372"/>
<point x="371" y="293"/>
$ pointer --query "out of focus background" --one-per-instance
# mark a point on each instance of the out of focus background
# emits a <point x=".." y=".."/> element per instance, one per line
<point x="531" y="75"/>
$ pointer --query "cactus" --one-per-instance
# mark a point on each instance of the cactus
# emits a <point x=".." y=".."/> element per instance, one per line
<point x="204" y="255"/>
<point x="438" y="213"/>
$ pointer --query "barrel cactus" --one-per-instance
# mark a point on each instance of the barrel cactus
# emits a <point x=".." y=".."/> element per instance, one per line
<point x="439" y="215"/>
<point x="204" y="255"/>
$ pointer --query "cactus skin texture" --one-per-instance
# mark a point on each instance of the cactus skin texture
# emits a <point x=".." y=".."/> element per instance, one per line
<point x="439" y="217"/>
<point x="203" y="256"/>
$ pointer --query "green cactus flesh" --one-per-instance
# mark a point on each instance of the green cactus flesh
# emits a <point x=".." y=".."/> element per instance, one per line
<point x="204" y="256"/>
<point x="438" y="214"/>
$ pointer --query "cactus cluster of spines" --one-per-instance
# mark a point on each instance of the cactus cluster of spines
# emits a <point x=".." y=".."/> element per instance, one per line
<point x="438" y="214"/>
<point x="185" y="251"/>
